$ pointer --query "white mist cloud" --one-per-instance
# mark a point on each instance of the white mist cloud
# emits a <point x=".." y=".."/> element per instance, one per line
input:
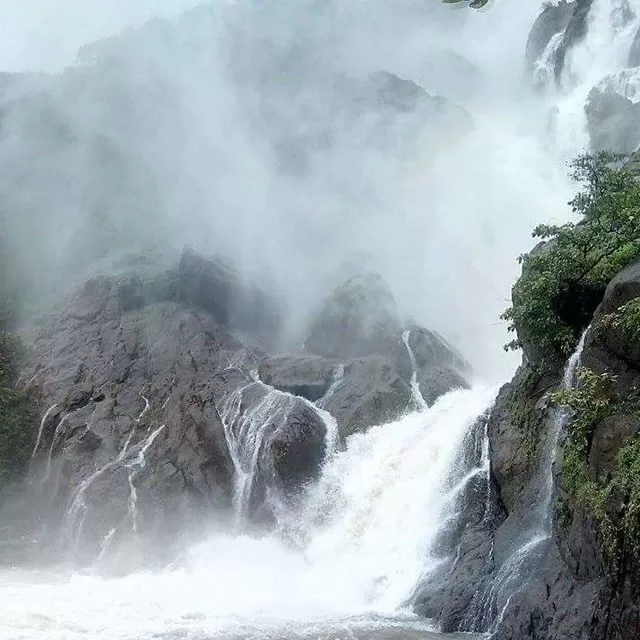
<point x="45" y="35"/>
<point x="235" y="131"/>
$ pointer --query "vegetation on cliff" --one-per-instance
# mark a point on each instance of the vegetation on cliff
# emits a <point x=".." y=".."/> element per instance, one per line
<point x="563" y="280"/>
<point x="612" y="499"/>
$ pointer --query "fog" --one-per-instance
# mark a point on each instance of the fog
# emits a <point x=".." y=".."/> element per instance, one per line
<point x="255" y="130"/>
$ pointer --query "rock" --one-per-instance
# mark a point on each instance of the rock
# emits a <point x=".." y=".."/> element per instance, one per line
<point x="613" y="120"/>
<point x="213" y="286"/>
<point x="306" y="376"/>
<point x="370" y="392"/>
<point x="553" y="19"/>
<point x="278" y="440"/>
<point x="102" y="361"/>
<point x="634" y="51"/>
<point x="359" y="319"/>
<point x="440" y="367"/>
<point x="621" y="290"/>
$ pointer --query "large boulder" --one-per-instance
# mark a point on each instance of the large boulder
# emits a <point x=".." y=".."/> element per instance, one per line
<point x="361" y="318"/>
<point x="277" y="441"/>
<point x="358" y="319"/>
<point x="613" y="119"/>
<point x="369" y="391"/>
<point x="128" y="377"/>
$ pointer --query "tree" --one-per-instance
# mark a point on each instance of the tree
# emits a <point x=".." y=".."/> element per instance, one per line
<point x="563" y="280"/>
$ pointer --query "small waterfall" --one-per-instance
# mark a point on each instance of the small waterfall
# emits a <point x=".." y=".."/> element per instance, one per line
<point x="513" y="571"/>
<point x="416" y="395"/>
<point x="54" y="439"/>
<point x="41" y="429"/>
<point x="543" y="67"/>
<point x="336" y="380"/>
<point x="135" y="467"/>
<point x="77" y="510"/>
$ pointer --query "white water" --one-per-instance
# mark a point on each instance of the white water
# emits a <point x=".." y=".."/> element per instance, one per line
<point x="367" y="529"/>
<point x="513" y="573"/>
<point x="47" y="413"/>
<point x="416" y="395"/>
<point x="604" y="51"/>
<point x="134" y="468"/>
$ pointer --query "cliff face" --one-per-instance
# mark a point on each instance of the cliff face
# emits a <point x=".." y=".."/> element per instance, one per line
<point x="584" y="579"/>
<point x="164" y="408"/>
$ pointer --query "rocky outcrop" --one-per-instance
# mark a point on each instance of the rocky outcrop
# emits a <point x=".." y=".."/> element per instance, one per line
<point x="568" y="20"/>
<point x="580" y="580"/>
<point x="160" y="408"/>
<point x="361" y="338"/>
<point x="613" y="120"/>
<point x="133" y="375"/>
<point x="553" y="19"/>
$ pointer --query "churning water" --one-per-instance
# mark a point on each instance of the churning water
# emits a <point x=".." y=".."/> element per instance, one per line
<point x="351" y="560"/>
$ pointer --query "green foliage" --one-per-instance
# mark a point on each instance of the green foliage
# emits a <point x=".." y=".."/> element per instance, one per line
<point x="625" y="321"/>
<point x="612" y="501"/>
<point x="563" y="282"/>
<point x="523" y="413"/>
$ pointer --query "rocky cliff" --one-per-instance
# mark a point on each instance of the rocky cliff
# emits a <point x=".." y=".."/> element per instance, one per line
<point x="579" y="578"/>
<point x="163" y="407"/>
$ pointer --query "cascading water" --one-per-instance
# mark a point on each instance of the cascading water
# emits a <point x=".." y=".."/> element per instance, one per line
<point x="366" y="529"/>
<point x="364" y="535"/>
<point x="603" y="53"/>
<point x="416" y="395"/>
<point x="43" y="421"/>
<point x="512" y="574"/>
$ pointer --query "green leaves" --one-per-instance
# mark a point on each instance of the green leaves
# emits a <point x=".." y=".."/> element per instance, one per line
<point x="563" y="281"/>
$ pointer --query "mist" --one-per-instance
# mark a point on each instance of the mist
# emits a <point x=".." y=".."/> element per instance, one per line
<point x="256" y="131"/>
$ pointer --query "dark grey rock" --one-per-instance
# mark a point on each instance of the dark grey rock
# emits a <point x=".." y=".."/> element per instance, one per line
<point x="371" y="392"/>
<point x="305" y="375"/>
<point x="613" y="121"/>
<point x="553" y="19"/>
<point x="359" y="319"/>
<point x="215" y="287"/>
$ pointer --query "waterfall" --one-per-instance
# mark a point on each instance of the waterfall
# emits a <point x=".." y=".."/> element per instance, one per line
<point x="47" y="413"/>
<point x="512" y="574"/>
<point x="603" y="52"/>
<point x="77" y="510"/>
<point x="416" y="395"/>
<point x="337" y="379"/>
<point x="379" y="505"/>
<point x="54" y="439"/>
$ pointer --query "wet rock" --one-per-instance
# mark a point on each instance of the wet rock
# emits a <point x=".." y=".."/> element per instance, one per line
<point x="306" y="376"/>
<point x="219" y="290"/>
<point x="553" y="19"/>
<point x="370" y="392"/>
<point x="360" y="320"/>
<point x="613" y="120"/>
